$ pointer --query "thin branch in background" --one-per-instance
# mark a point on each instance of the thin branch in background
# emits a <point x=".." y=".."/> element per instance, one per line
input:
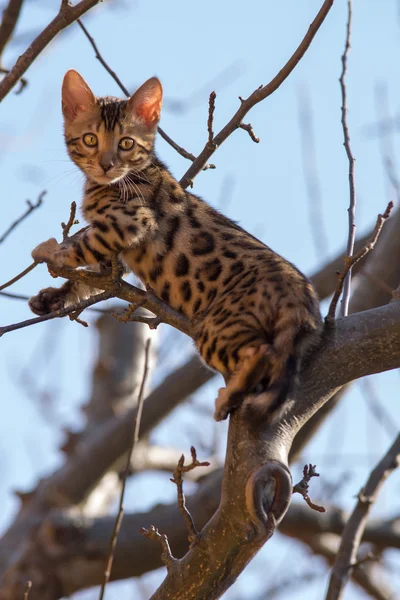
<point x="27" y="590"/>
<point x="135" y="439"/>
<point x="257" y="96"/>
<point x="31" y="207"/>
<point x="193" y="534"/>
<point x="181" y="105"/>
<point x="311" y="173"/>
<point x="303" y="486"/>
<point x="386" y="137"/>
<point x="19" y="276"/>
<point x="376" y="408"/>
<point x="350" y="262"/>
<point x="8" y="22"/>
<point x="65" y="16"/>
<point x="344" y="308"/>
<point x="63" y="312"/>
<point x="355" y="526"/>
<point x="117" y="80"/>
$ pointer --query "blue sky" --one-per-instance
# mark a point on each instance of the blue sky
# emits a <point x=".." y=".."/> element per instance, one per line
<point x="188" y="46"/>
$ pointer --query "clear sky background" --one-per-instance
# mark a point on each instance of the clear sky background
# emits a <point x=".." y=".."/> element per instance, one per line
<point x="195" y="47"/>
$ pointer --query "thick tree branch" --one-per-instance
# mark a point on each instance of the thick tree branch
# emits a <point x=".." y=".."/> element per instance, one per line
<point x="257" y="96"/>
<point x="66" y="15"/>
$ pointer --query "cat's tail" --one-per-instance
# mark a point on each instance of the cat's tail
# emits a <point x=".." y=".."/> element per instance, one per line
<point x="294" y="337"/>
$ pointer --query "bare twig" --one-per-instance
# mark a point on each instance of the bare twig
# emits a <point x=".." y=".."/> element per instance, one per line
<point x="302" y="487"/>
<point x="31" y="207"/>
<point x="117" y="80"/>
<point x="19" y="276"/>
<point x="66" y="227"/>
<point x="211" y="109"/>
<point x="249" y="128"/>
<point x="135" y="439"/>
<point x="257" y="96"/>
<point x="354" y="529"/>
<point x="351" y="261"/>
<point x="63" y="312"/>
<point x="8" y="22"/>
<point x="27" y="589"/>
<point x="66" y="15"/>
<point x="312" y="182"/>
<point x="193" y="534"/>
<point x="152" y="533"/>
<point x="344" y="309"/>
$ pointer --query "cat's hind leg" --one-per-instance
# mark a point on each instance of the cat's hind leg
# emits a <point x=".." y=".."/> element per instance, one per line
<point x="252" y="368"/>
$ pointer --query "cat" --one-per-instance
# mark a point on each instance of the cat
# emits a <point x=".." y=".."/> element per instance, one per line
<point x="253" y="314"/>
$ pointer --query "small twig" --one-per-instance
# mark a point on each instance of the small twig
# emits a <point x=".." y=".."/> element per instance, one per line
<point x="353" y="531"/>
<point x="344" y="309"/>
<point x="19" y="276"/>
<point x="135" y="439"/>
<point x="63" y="312"/>
<point x="249" y="128"/>
<point x="75" y="317"/>
<point x="211" y="109"/>
<point x="193" y="534"/>
<point x="128" y="312"/>
<point x="27" y="589"/>
<point x="66" y="227"/>
<point x="117" y="80"/>
<point x="302" y="487"/>
<point x="353" y="260"/>
<point x="152" y="533"/>
<point x="31" y="207"/>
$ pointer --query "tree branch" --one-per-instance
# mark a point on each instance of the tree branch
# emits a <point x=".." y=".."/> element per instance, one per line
<point x="257" y="96"/>
<point x="352" y="207"/>
<point x="354" y="529"/>
<point x="8" y="22"/>
<point x="31" y="207"/>
<point x="66" y="15"/>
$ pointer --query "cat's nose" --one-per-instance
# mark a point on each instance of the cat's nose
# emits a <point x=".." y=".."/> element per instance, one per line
<point x="106" y="161"/>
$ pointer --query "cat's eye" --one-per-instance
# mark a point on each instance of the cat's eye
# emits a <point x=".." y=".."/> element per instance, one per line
<point x="126" y="143"/>
<point x="89" y="139"/>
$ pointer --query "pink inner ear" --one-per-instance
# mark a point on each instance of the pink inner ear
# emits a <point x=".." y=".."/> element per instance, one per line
<point x="149" y="112"/>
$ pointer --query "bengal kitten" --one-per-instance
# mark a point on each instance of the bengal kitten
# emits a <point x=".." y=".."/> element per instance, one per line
<point x="253" y="314"/>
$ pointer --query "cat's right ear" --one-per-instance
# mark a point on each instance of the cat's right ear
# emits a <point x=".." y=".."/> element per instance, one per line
<point x="77" y="97"/>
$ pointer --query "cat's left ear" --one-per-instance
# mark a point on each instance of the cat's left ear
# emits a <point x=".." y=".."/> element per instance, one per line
<point x="146" y="102"/>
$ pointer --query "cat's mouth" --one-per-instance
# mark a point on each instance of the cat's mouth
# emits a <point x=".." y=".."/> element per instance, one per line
<point x="105" y="178"/>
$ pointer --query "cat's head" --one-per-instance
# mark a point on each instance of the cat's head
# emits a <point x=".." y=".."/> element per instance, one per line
<point x="107" y="137"/>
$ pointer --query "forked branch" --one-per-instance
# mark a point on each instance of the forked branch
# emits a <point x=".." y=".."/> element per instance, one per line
<point x="350" y="262"/>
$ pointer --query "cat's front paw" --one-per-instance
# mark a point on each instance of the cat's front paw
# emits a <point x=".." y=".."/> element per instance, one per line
<point x="46" y="251"/>
<point x="47" y="301"/>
